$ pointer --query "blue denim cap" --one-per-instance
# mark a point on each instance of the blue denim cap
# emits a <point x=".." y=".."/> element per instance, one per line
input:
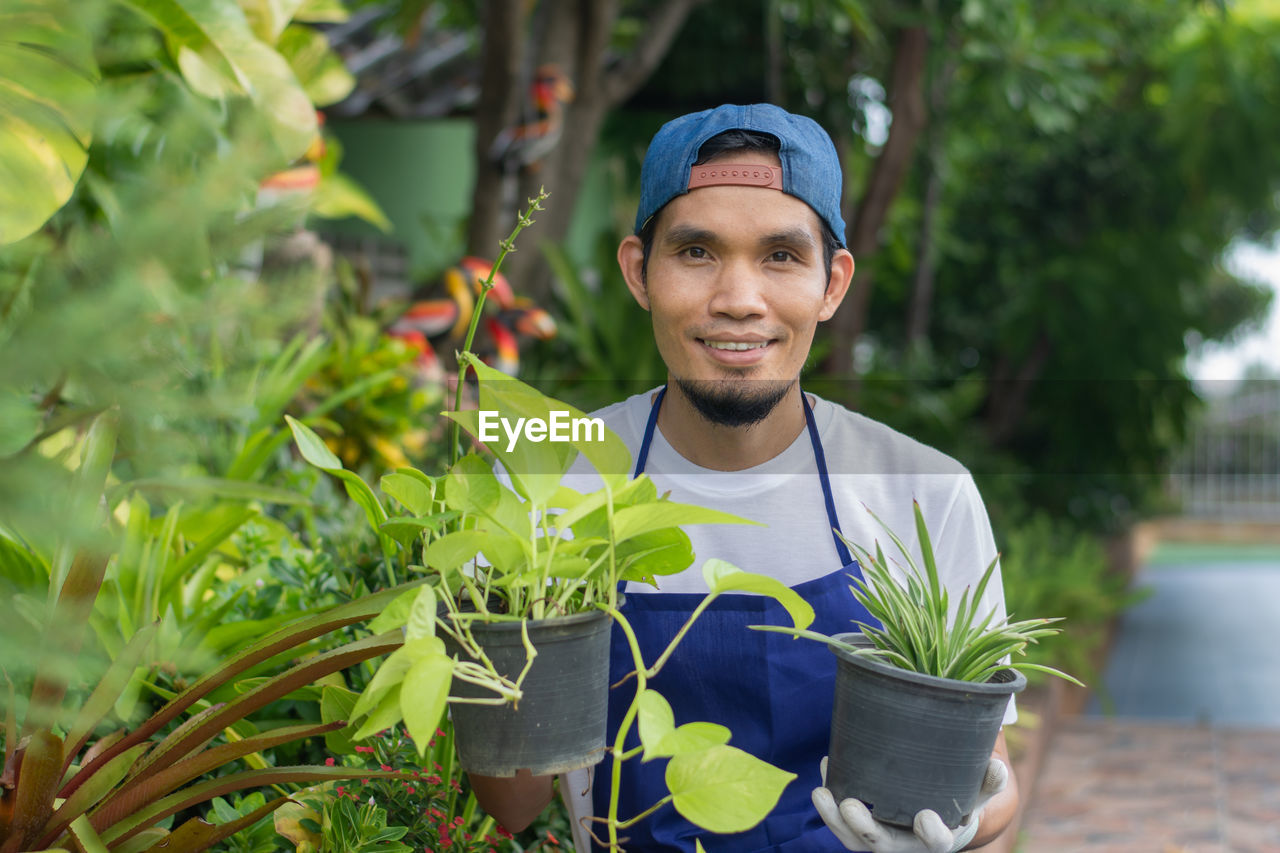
<point x="810" y="167"/>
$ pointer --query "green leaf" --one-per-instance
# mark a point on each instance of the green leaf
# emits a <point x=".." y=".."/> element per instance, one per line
<point x="725" y="577"/>
<point x="514" y="399"/>
<point x="104" y="779"/>
<point x="454" y="549"/>
<point x="568" y="566"/>
<point x="425" y="692"/>
<point x="384" y="714"/>
<point x="654" y="719"/>
<point x="412" y="493"/>
<point x="312" y="446"/>
<point x="20" y="417"/>
<point x="83" y="832"/>
<point x="660" y="737"/>
<point x="405" y="529"/>
<point x="338" y="703"/>
<point x="219" y="55"/>
<point x="242" y="490"/>
<point x="660" y="552"/>
<point x="47" y="83"/>
<point x="634" y="520"/>
<point x="691" y="737"/>
<point x="338" y="196"/>
<point x="322" y="12"/>
<point x="724" y="789"/>
<point x="422" y="616"/>
<point x="268" y="18"/>
<point x="395" y="614"/>
<point x="320" y="71"/>
<point x="471" y="487"/>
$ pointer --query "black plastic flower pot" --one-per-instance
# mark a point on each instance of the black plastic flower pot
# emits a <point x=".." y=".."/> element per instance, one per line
<point x="559" y="723"/>
<point x="902" y="741"/>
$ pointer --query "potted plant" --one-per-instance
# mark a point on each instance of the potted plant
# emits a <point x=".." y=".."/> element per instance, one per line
<point x="523" y="573"/>
<point x="920" y="697"/>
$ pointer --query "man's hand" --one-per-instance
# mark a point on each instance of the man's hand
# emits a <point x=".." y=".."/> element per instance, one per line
<point x="853" y="824"/>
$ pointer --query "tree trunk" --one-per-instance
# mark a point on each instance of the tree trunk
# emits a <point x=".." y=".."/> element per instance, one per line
<point x="502" y="78"/>
<point x="1010" y="390"/>
<point x="906" y="102"/>
<point x="576" y="35"/>
<point x="922" y="289"/>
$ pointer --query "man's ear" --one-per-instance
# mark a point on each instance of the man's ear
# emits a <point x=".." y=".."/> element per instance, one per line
<point x="631" y="262"/>
<point x="838" y="283"/>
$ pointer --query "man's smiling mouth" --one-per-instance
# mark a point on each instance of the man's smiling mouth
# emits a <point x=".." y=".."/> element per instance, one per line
<point x="735" y="346"/>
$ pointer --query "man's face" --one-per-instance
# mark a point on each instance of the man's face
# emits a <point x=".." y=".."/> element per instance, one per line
<point x="736" y="285"/>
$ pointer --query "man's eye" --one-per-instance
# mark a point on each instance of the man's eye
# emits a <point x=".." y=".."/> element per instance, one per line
<point x="696" y="252"/>
<point x="781" y="257"/>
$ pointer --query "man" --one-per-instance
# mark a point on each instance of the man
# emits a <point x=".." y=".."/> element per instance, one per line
<point x="738" y="255"/>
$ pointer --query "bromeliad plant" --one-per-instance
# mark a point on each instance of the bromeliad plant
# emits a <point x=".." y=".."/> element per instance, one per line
<point x="917" y="632"/>
<point x="69" y="779"/>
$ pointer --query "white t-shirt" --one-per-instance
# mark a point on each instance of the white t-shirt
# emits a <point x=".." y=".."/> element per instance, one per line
<point x="871" y="467"/>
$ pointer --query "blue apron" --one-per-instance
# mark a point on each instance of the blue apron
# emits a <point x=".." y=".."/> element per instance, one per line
<point x="774" y="693"/>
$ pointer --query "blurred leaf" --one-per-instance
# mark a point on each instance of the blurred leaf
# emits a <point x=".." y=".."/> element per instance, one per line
<point x="320" y="71"/>
<point x="47" y="83"/>
<point x="322" y="11"/>
<point x="219" y="55"/>
<point x="337" y="197"/>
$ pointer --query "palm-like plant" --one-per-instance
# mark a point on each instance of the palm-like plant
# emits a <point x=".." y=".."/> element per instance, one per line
<point x="917" y="632"/>
<point x="62" y="786"/>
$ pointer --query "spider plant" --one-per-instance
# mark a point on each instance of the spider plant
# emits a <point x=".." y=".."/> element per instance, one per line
<point x="917" y="632"/>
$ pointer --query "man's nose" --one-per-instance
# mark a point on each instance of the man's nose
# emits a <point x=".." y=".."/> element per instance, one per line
<point x="739" y="291"/>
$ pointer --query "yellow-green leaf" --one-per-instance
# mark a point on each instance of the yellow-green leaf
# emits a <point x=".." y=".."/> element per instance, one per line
<point x="47" y="82"/>
<point x="320" y="71"/>
<point x="655" y="720"/>
<point x="634" y="520"/>
<point x="216" y="48"/>
<point x="691" y="737"/>
<point x="726" y="577"/>
<point x="337" y="197"/>
<point x="724" y="789"/>
<point x="424" y="694"/>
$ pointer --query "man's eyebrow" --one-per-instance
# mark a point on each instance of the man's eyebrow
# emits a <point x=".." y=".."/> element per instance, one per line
<point x="678" y="235"/>
<point x="801" y="237"/>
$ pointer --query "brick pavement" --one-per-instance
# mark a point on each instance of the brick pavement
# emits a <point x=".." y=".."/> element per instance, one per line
<point x="1123" y="786"/>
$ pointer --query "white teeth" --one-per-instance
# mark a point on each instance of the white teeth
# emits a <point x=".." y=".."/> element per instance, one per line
<point x="736" y="346"/>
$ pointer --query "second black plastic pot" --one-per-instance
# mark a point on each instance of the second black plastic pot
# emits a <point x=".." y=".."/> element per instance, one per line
<point x="559" y="723"/>
<point x="902" y="741"/>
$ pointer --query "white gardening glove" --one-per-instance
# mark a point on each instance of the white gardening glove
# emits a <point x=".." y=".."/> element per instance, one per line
<point x="853" y="824"/>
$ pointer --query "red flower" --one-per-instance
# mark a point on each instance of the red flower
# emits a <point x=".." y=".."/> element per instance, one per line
<point x="328" y="762"/>
<point x="386" y="767"/>
<point x="552" y="838"/>
<point x="364" y="749"/>
<point x="504" y="832"/>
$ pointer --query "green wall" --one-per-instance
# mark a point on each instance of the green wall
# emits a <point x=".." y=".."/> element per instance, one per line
<point x="422" y="172"/>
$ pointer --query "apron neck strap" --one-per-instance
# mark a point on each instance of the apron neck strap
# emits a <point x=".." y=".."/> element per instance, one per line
<point x="642" y="456"/>
<point x="845" y="557"/>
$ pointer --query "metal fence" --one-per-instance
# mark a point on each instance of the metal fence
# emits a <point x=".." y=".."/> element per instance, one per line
<point x="1231" y="468"/>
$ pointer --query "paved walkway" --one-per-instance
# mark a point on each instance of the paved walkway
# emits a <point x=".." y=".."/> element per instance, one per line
<point x="1188" y="761"/>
